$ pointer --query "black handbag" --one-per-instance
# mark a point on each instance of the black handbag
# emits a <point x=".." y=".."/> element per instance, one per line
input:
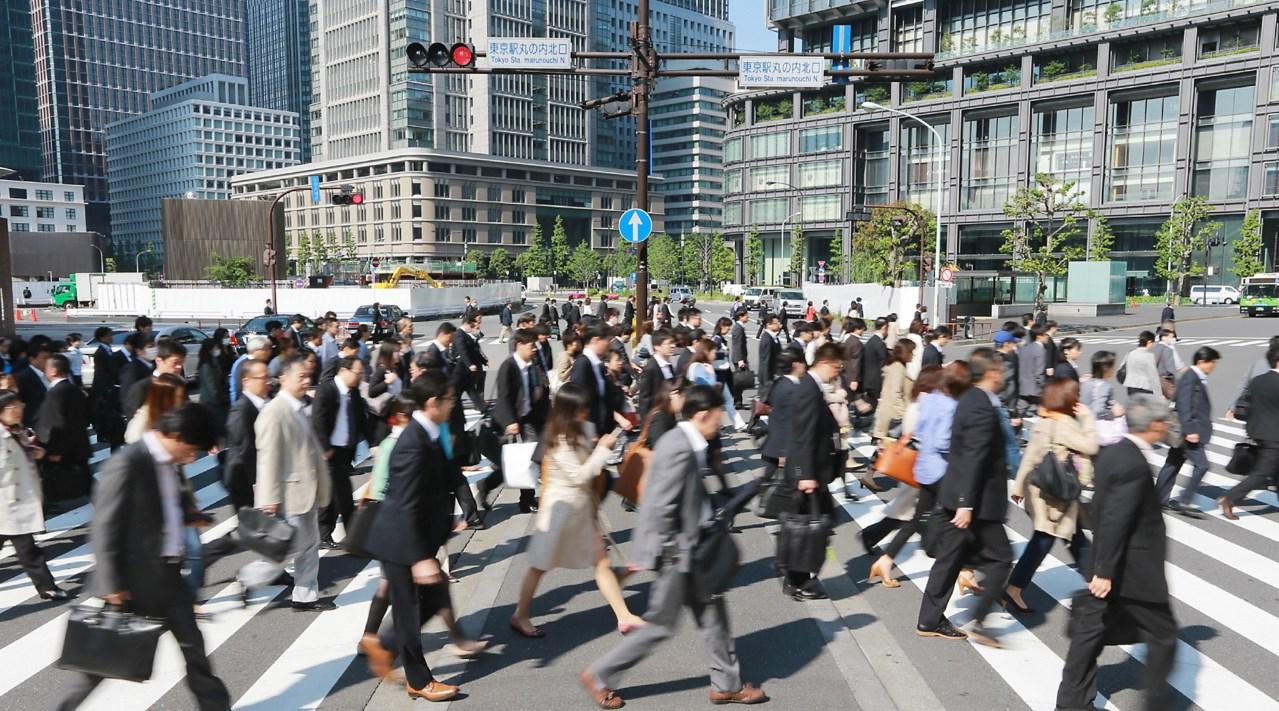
<point x="1243" y="458"/>
<point x="803" y="538"/>
<point x="714" y="558"/>
<point x="743" y="380"/>
<point x="110" y="642"/>
<point x="358" y="534"/>
<point x="1055" y="479"/>
<point x="263" y="534"/>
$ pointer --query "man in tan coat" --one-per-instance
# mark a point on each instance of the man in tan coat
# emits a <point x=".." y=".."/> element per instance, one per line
<point x="293" y="483"/>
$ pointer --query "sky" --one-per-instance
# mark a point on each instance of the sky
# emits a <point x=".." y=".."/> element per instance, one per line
<point x="752" y="32"/>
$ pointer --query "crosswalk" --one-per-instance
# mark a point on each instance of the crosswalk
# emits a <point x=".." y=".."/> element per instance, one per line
<point x="1131" y="342"/>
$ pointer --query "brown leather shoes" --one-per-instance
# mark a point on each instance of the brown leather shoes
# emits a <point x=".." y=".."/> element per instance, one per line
<point x="435" y="691"/>
<point x="1227" y="508"/>
<point x="603" y="696"/>
<point x="748" y="694"/>
<point x="381" y="661"/>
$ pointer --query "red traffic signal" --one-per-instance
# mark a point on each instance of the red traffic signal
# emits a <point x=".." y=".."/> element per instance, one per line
<point x="440" y="55"/>
<point x="348" y="195"/>
<point x="463" y="54"/>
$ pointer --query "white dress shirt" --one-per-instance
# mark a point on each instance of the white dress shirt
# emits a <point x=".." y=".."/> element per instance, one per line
<point x="171" y="545"/>
<point x="595" y="368"/>
<point x="432" y="427"/>
<point x="258" y="402"/>
<point x="668" y="371"/>
<point x="699" y="445"/>
<point x="526" y="389"/>
<point x="341" y="436"/>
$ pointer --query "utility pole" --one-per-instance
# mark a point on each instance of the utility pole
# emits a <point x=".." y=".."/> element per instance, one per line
<point x="644" y="71"/>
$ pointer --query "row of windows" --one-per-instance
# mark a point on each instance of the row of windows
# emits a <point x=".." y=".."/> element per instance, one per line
<point x="40" y="194"/>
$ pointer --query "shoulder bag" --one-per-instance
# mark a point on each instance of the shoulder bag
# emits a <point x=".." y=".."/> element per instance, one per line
<point x="1055" y="479"/>
<point x="630" y="475"/>
<point x="1243" y="458"/>
<point x="743" y="379"/>
<point x="714" y="558"/>
<point x="897" y="461"/>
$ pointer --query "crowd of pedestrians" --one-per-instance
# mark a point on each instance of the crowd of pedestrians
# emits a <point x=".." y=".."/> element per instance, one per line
<point x="1018" y="421"/>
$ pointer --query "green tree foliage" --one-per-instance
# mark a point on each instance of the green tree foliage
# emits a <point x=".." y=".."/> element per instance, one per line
<point x="230" y="272"/>
<point x="886" y="247"/>
<point x="559" y="247"/>
<point x="535" y="260"/>
<point x="1050" y="230"/>
<point x="836" y="269"/>
<point x="620" y="262"/>
<point x="480" y="259"/>
<point x="754" y="258"/>
<point x="500" y="263"/>
<point x="110" y="264"/>
<point x="707" y="260"/>
<point x="583" y="263"/>
<point x="1248" y="249"/>
<point x="1184" y="233"/>
<point x="798" y="264"/>
<point x="663" y="257"/>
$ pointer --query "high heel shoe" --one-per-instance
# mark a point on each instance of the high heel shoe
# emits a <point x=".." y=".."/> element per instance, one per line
<point x="966" y="583"/>
<point x="1011" y="605"/>
<point x="885" y="576"/>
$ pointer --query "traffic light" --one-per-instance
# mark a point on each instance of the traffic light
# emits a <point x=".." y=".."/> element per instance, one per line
<point x="348" y="195"/>
<point x="441" y="55"/>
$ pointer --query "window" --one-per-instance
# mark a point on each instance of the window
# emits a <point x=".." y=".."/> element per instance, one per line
<point x="820" y="174"/>
<point x="968" y="26"/>
<point x="733" y="181"/>
<point x="494" y="235"/>
<point x="18" y="211"/>
<point x="1226" y="40"/>
<point x="1223" y="133"/>
<point x="732" y="150"/>
<point x="494" y="193"/>
<point x="1061" y="145"/>
<point x="68" y="196"/>
<point x="441" y="212"/>
<point x="71" y="213"/>
<point x="519" y="237"/>
<point x="44" y="194"/>
<point x="441" y="190"/>
<point x="870" y="168"/>
<point x="826" y="138"/>
<point x="21" y="227"/>
<point x="417" y="188"/>
<point x="468" y="214"/>
<point x="770" y="177"/>
<point x="819" y="208"/>
<point x="908" y="30"/>
<point x="770" y="145"/>
<point x="47" y="228"/>
<point x="1270" y="184"/>
<point x="519" y="217"/>
<point x="1143" y="143"/>
<point x="1272" y="132"/>
<point x="733" y="213"/>
<point x="417" y="233"/>
<point x="1146" y="52"/>
<point x="468" y="191"/>
<point x="772" y="211"/>
<point x="517" y="195"/>
<point x="923" y="162"/>
<point x="44" y="213"/>
<point x="990" y="156"/>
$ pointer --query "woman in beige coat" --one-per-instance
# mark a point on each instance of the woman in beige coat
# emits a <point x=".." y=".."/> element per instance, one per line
<point x="21" y="513"/>
<point x="895" y="394"/>
<point x="568" y="533"/>
<point x="1067" y="431"/>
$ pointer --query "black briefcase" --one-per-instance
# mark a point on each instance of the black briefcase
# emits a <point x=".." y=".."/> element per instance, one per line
<point x="110" y="643"/>
<point x="358" y="534"/>
<point x="715" y="558"/>
<point x="743" y="380"/>
<point x="263" y="534"/>
<point x="1243" y="459"/>
<point x="803" y="537"/>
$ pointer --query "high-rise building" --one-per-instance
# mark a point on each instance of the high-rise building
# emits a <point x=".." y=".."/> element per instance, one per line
<point x="19" y="121"/>
<point x="98" y="61"/>
<point x="277" y="59"/>
<point x="688" y="122"/>
<point x="1137" y="102"/>
<point x="193" y="140"/>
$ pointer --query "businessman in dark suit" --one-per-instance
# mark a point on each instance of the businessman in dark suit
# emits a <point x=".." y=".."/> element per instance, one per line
<point x="769" y="350"/>
<point x="413" y="521"/>
<point x="520" y="410"/>
<point x="133" y="364"/>
<point x="170" y="357"/>
<point x="659" y="368"/>
<point x="571" y="314"/>
<point x="240" y="458"/>
<point x="545" y="356"/>
<point x="32" y="384"/>
<point x="738" y="354"/>
<point x="774" y="496"/>
<point x="1128" y="588"/>
<point x="63" y="429"/>
<point x="1194" y="411"/>
<point x="854" y="352"/>
<point x="617" y="345"/>
<point x="139" y="548"/>
<point x="589" y="373"/>
<point x="874" y="356"/>
<point x="974" y="501"/>
<point x="471" y="361"/>
<point x="800" y="338"/>
<point x="341" y="421"/>
<point x="1263" y="428"/>
<point x="933" y="354"/>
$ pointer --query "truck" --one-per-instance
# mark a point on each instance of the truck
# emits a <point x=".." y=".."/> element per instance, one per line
<point x="78" y="290"/>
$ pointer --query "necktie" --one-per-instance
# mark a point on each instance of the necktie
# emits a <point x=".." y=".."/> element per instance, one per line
<point x="446" y="441"/>
<point x="350" y="421"/>
<point x="666" y="372"/>
<point x="602" y="377"/>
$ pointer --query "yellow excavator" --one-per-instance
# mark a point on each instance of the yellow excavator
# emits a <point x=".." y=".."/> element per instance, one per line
<point x="391" y="278"/>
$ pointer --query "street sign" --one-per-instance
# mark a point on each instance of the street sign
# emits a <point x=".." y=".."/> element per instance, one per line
<point x="821" y="264"/>
<point x="858" y="214"/>
<point x="315" y="189"/>
<point x="635" y="225"/>
<point x="780" y="70"/>
<point x="531" y="53"/>
<point x="947" y="276"/>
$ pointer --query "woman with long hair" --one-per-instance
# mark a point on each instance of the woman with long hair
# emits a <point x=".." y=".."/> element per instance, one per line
<point x="701" y="371"/>
<point x="21" y="500"/>
<point x="568" y="530"/>
<point x="214" y="393"/>
<point x="894" y="396"/>
<point x="165" y="392"/>
<point x="1066" y="430"/>
<point x="384" y="386"/>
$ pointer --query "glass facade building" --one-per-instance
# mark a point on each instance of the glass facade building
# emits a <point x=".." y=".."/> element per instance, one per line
<point x="19" y="119"/>
<point x="1136" y="102"/>
<point x="277" y="58"/>
<point x="688" y="121"/>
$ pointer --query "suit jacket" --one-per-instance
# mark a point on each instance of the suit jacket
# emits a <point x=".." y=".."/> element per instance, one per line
<point x="506" y="318"/>
<point x="649" y="380"/>
<point x="977" y="472"/>
<point x="854" y="353"/>
<point x="1194" y="409"/>
<point x="415" y="516"/>
<point x="812" y="431"/>
<point x="130" y="372"/>
<point x="128" y="530"/>
<point x="545" y="356"/>
<point x="510" y="384"/>
<point x="292" y="470"/>
<point x="932" y="355"/>
<point x="1065" y="369"/>
<point x="628" y="314"/>
<point x="31" y="389"/>
<point x="671" y="512"/>
<point x="874" y="356"/>
<point x="437" y="360"/>
<point x="737" y="346"/>
<point x="1031" y="363"/>
<point x="324" y="415"/>
<point x="104" y="373"/>
<point x="769" y="351"/>
<point x="1263" y="412"/>
<point x="781" y="399"/>
<point x="63" y="425"/>
<point x="798" y="347"/>
<point x="135" y="396"/>
<point x="240" y="463"/>
<point x="570" y="313"/>
<point x="601" y="407"/>
<point x="1129" y="542"/>
<point x="467" y="352"/>
<point x="628" y="373"/>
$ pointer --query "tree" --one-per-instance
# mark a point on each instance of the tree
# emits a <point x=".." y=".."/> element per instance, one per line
<point x="500" y="263"/>
<point x="480" y="259"/>
<point x="535" y="260"/>
<point x="559" y="254"/>
<point x="886" y="248"/>
<point x="663" y="257"/>
<point x="797" y="258"/>
<point x="723" y="262"/>
<point x="303" y="255"/>
<point x="110" y="264"/>
<point x="705" y="254"/>
<point x="230" y="272"/>
<point x="1247" y="259"/>
<point x="836" y="268"/>
<point x="1183" y="234"/>
<point x="1050" y="223"/>
<point x="583" y="263"/>
<point x="754" y="258"/>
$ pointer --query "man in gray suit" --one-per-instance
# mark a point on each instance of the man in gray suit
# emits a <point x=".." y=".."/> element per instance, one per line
<point x="675" y="505"/>
<point x="1031" y="366"/>
<point x="1194" y="411"/>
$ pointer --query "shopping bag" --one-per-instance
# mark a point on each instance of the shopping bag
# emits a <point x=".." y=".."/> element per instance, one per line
<point x="110" y="642"/>
<point x="518" y="469"/>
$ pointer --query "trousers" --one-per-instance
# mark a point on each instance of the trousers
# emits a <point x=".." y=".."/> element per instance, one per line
<point x="670" y="594"/>
<point x="179" y="615"/>
<point x="1038" y="548"/>
<point x="32" y="560"/>
<point x="303" y="563"/>
<point x="984" y="542"/>
<point x="341" y="503"/>
<point x="1263" y="472"/>
<point x="1198" y="458"/>
<point x="411" y="606"/>
<point x="1157" y="628"/>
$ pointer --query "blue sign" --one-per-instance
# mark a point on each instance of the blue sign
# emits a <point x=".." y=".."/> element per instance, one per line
<point x="635" y="225"/>
<point x="841" y="41"/>
<point x="315" y="189"/>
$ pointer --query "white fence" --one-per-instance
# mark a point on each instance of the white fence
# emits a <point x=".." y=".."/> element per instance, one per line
<point x="877" y="300"/>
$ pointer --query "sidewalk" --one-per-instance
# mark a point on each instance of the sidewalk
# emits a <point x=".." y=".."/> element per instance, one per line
<point x="1145" y="315"/>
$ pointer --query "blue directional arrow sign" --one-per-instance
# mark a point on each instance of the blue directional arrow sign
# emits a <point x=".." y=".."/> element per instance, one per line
<point x="315" y="189"/>
<point x="635" y="225"/>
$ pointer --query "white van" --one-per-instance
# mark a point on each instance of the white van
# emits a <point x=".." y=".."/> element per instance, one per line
<point x="1225" y="294"/>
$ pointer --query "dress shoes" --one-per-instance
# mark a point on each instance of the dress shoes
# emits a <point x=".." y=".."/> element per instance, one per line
<point x="1228" y="508"/>
<point x="54" y="593"/>
<point x="434" y="691"/>
<point x="945" y="630"/>
<point x="603" y="696"/>
<point x="981" y="636"/>
<point x="748" y="694"/>
<point x="314" y="606"/>
<point x="1189" y="510"/>
<point x="329" y="544"/>
<point x="811" y="590"/>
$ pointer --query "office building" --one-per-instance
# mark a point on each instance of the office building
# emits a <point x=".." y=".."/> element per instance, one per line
<point x="42" y="207"/>
<point x="688" y="121"/>
<point x="425" y="206"/>
<point x="1137" y="101"/>
<point x="277" y="59"/>
<point x="98" y="61"/>
<point x="193" y="140"/>
<point x="19" y="121"/>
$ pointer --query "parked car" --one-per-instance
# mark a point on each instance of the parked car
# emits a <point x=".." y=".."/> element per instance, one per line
<point x="682" y="295"/>
<point x="794" y="300"/>
<point x="256" y="326"/>
<point x="1223" y="294"/>
<point x="756" y="294"/>
<point x="364" y="316"/>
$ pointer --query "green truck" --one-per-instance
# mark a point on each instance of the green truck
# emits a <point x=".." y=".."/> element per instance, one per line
<point x="78" y="290"/>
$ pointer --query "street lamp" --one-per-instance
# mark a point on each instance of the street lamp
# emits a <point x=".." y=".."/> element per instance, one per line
<point x="941" y="194"/>
<point x="6" y="172"/>
<point x="794" y="214"/>
<point x="137" y="265"/>
<point x="102" y="259"/>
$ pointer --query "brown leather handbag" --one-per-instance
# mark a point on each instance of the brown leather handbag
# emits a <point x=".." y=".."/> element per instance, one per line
<point x="759" y="408"/>
<point x="897" y="461"/>
<point x="630" y="475"/>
